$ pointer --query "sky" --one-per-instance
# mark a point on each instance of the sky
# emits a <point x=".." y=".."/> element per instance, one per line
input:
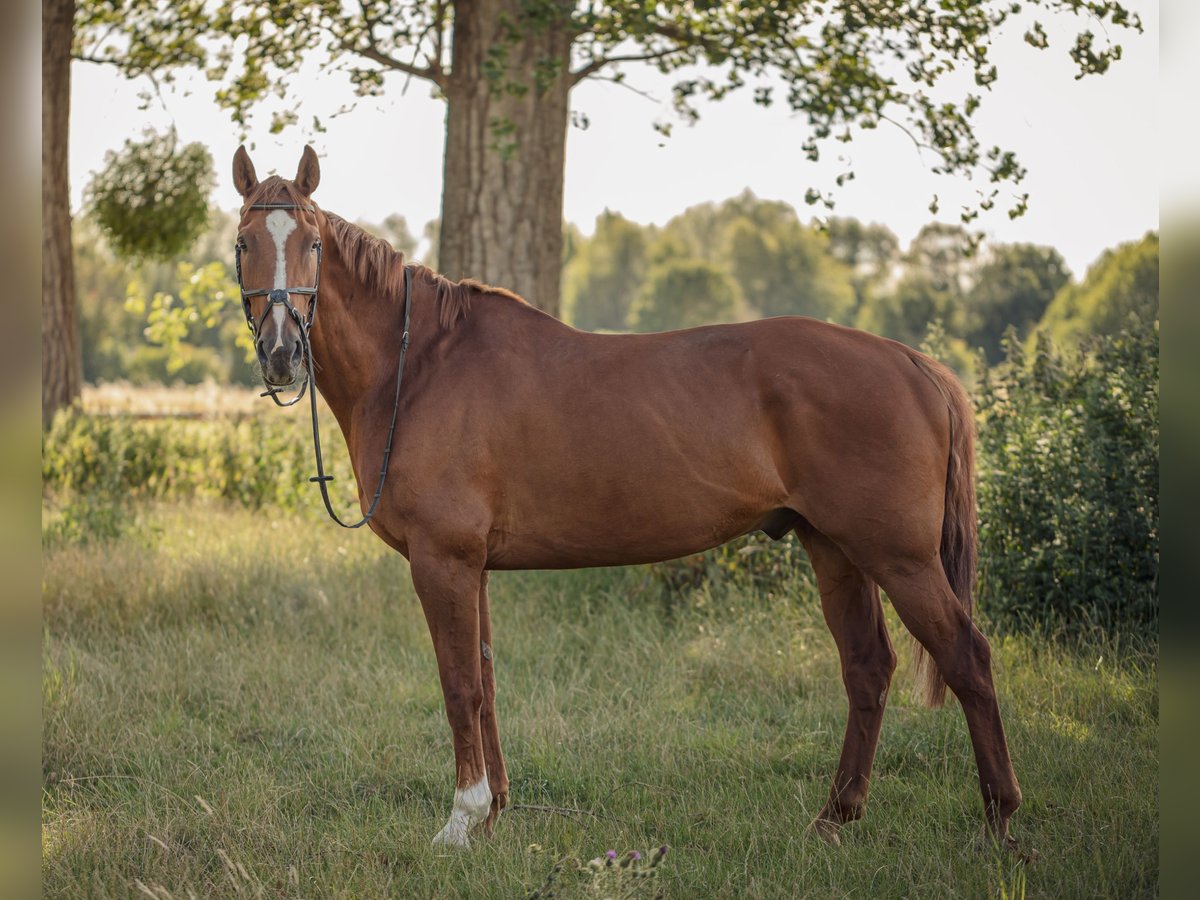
<point x="1090" y="147"/>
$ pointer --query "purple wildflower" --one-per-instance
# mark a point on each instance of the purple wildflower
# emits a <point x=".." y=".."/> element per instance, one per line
<point x="611" y="854"/>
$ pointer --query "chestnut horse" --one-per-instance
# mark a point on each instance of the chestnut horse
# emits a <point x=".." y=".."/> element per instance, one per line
<point x="526" y="444"/>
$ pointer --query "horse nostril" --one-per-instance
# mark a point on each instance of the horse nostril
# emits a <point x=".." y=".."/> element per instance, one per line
<point x="296" y="352"/>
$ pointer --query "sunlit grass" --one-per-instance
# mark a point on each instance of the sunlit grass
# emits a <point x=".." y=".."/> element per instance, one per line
<point x="240" y="703"/>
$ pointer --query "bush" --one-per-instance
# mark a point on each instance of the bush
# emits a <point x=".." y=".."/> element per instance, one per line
<point x="95" y="465"/>
<point x="1068" y="484"/>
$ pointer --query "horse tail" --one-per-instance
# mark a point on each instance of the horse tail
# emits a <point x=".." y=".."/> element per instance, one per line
<point x="959" y="550"/>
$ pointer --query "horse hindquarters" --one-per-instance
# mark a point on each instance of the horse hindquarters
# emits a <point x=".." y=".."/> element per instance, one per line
<point x="929" y="578"/>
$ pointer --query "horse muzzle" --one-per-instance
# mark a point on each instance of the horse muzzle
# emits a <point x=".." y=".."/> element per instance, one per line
<point x="281" y="364"/>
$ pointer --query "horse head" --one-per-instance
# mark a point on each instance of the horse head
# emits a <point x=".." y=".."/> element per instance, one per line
<point x="278" y="262"/>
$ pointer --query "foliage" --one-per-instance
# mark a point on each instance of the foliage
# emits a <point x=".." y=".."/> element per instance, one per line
<point x="936" y="273"/>
<point x="1068" y="484"/>
<point x="904" y="313"/>
<point x="605" y="274"/>
<point x="752" y="562"/>
<point x="783" y="267"/>
<point x="683" y="293"/>
<point x="151" y="199"/>
<point x="205" y="300"/>
<point x="93" y="464"/>
<point x="789" y="271"/>
<point x="608" y="877"/>
<point x="840" y="62"/>
<point x="780" y="266"/>
<point x="147" y="322"/>
<point x="869" y="250"/>
<point x="1122" y="284"/>
<point x="1012" y="288"/>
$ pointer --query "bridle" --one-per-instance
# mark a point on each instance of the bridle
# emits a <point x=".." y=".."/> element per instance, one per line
<point x="282" y="297"/>
<point x="279" y="297"/>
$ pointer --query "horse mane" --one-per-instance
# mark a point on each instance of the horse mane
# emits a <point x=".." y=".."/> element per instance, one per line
<point x="377" y="264"/>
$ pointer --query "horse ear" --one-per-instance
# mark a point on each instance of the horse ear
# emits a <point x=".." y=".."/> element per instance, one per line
<point x="308" y="176"/>
<point x="244" y="178"/>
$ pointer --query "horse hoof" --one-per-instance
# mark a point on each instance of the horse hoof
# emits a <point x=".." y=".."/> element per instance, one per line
<point x="454" y="835"/>
<point x="1008" y="844"/>
<point x="827" y="831"/>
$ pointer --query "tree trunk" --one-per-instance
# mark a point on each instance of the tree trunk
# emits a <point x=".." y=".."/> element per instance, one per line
<point x="61" y="358"/>
<point x="506" y="134"/>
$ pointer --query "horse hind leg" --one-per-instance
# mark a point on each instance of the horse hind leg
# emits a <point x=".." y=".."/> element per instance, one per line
<point x="929" y="609"/>
<point x="854" y="614"/>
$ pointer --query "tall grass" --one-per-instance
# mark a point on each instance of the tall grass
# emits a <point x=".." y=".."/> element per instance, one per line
<point x="241" y="703"/>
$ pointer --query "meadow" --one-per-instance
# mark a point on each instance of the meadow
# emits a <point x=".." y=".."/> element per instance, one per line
<point x="242" y="702"/>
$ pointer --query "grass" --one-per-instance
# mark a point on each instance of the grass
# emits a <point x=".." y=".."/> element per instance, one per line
<point x="244" y="704"/>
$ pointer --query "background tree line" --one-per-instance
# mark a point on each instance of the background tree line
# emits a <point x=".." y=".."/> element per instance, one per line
<point x="739" y="259"/>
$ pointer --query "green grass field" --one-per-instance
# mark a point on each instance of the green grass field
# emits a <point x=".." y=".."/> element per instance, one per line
<point x="242" y="703"/>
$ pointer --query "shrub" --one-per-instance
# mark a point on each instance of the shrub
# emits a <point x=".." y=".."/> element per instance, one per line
<point x="1068" y="484"/>
<point x="93" y="465"/>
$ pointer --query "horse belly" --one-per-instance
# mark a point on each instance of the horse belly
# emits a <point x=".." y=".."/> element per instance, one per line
<point x="658" y="507"/>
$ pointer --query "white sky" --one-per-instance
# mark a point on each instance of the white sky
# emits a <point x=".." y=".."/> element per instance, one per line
<point x="1090" y="147"/>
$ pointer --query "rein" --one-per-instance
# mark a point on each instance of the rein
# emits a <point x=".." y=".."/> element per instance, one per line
<point x="281" y="296"/>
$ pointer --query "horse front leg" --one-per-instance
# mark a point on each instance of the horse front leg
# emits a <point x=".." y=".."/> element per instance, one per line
<point x="449" y="588"/>
<point x="497" y="776"/>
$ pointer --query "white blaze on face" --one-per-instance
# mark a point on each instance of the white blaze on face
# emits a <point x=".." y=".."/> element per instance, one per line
<point x="471" y="806"/>
<point x="280" y="225"/>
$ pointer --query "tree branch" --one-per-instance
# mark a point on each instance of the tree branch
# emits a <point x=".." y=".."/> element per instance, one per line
<point x="597" y="64"/>
<point x="98" y="60"/>
<point x="629" y="87"/>
<point x="372" y="52"/>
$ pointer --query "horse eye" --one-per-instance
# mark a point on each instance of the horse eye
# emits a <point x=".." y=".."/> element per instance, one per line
<point x="316" y="246"/>
<point x="241" y="242"/>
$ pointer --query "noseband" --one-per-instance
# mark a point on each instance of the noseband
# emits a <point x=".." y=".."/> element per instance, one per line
<point x="282" y="297"/>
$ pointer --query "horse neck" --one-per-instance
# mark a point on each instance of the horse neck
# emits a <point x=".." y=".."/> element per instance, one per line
<point x="355" y="335"/>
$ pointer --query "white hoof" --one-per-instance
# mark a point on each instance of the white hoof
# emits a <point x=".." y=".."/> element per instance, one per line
<point x="453" y="834"/>
<point x="471" y="806"/>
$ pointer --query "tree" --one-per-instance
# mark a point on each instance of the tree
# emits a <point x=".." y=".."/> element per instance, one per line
<point x="1120" y="289"/>
<point x="1013" y="287"/>
<point x="506" y="69"/>
<point x="936" y="272"/>
<point x="905" y="313"/>
<point x="605" y="274"/>
<point x="61" y="360"/>
<point x="682" y="293"/>
<point x="788" y="271"/>
<point x="870" y="250"/>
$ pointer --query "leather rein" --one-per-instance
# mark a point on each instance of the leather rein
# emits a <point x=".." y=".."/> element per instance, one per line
<point x="282" y="297"/>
